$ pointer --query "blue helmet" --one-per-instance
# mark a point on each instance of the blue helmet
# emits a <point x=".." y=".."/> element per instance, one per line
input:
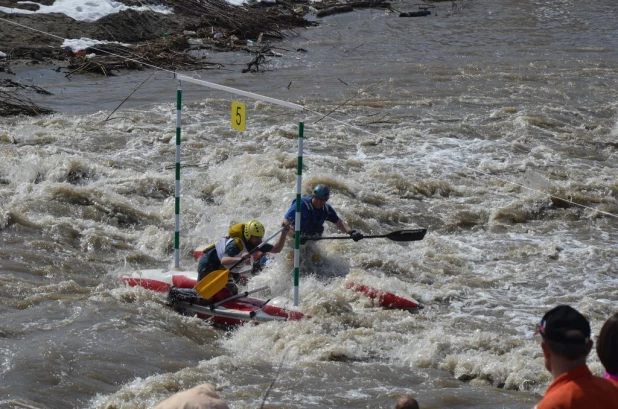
<point x="321" y="192"/>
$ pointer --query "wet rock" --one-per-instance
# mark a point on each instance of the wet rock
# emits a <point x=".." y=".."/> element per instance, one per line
<point x="333" y="10"/>
<point x="420" y="13"/>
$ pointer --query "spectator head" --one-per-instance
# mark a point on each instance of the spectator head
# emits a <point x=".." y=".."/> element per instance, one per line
<point x="406" y="402"/>
<point x="566" y="339"/>
<point x="607" y="345"/>
<point x="201" y="397"/>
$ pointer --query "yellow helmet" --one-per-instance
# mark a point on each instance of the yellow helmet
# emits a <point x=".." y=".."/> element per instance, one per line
<point x="253" y="228"/>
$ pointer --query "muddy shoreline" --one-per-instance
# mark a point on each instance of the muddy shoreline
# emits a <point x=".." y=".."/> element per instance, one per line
<point x="139" y="40"/>
<point x="148" y="39"/>
<point x="215" y="23"/>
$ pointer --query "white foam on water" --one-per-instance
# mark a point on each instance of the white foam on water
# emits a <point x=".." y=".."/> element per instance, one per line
<point x="614" y="131"/>
<point x="495" y="258"/>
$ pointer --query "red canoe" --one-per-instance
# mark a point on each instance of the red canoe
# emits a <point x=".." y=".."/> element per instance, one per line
<point x="227" y="310"/>
<point x="384" y="299"/>
<point x="380" y="298"/>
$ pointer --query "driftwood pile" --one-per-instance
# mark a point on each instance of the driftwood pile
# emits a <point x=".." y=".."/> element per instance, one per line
<point x="221" y="27"/>
<point x="244" y="22"/>
<point x="329" y="9"/>
<point x="259" y="57"/>
<point x="14" y="102"/>
<point x="167" y="53"/>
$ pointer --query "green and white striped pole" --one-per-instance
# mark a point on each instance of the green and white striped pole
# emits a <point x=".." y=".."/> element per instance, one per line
<point x="177" y="185"/>
<point x="299" y="182"/>
<point x="300" y="155"/>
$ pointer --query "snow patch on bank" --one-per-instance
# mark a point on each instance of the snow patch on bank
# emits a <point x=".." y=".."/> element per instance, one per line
<point x="77" y="44"/>
<point x="90" y="10"/>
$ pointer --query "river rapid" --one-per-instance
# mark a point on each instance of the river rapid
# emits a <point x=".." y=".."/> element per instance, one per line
<point x="463" y="123"/>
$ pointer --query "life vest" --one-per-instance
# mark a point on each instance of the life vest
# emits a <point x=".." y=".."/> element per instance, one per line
<point x="316" y="217"/>
<point x="220" y="246"/>
<point x="235" y="232"/>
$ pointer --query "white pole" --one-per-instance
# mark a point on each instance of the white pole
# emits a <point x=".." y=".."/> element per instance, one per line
<point x="241" y="92"/>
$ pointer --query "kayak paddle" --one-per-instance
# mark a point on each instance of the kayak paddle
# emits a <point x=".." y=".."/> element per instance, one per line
<point x="400" y="235"/>
<point x="215" y="281"/>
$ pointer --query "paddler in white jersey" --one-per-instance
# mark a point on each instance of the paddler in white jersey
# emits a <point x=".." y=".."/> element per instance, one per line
<point x="229" y="250"/>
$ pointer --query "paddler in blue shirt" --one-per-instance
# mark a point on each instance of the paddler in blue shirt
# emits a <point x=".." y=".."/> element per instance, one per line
<point x="314" y="211"/>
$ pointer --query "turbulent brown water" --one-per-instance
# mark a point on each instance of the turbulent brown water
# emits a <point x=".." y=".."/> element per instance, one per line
<point x="462" y="122"/>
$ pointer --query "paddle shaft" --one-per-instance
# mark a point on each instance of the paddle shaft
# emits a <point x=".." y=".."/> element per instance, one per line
<point x="400" y="235"/>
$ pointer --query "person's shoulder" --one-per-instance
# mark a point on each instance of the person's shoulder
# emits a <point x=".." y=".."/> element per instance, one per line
<point x="306" y="200"/>
<point x="605" y="386"/>
<point x="331" y="213"/>
<point x="303" y="199"/>
<point x="580" y="391"/>
<point x="233" y="246"/>
<point x="267" y="247"/>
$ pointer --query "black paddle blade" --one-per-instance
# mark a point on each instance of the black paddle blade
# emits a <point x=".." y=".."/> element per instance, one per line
<point x="407" y="235"/>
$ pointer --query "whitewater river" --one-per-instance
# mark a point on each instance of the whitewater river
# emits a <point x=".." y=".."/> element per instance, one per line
<point x="463" y="123"/>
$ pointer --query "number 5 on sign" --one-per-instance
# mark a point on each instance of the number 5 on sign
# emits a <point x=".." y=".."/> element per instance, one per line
<point x="239" y="116"/>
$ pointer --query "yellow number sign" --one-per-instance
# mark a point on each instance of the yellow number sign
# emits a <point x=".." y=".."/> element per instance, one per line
<point x="239" y="116"/>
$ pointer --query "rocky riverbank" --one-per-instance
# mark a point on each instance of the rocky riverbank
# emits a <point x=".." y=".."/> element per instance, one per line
<point x="166" y="34"/>
<point x="211" y="23"/>
<point x="133" y="39"/>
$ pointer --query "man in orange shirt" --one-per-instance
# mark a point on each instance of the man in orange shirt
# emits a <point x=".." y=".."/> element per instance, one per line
<point x="566" y="345"/>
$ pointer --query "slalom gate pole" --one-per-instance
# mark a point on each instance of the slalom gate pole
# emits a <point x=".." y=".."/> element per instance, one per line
<point x="177" y="183"/>
<point x="251" y="95"/>
<point x="299" y="180"/>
